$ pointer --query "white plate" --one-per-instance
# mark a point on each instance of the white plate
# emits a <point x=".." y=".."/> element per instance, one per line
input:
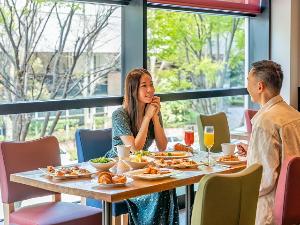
<point x="184" y="155"/>
<point x="234" y="162"/>
<point x="67" y="176"/>
<point x="178" y="166"/>
<point x="140" y="174"/>
<point x="184" y="166"/>
<point x="128" y="181"/>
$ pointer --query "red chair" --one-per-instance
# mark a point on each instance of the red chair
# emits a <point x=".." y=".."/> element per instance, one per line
<point x="287" y="199"/>
<point x="23" y="156"/>
<point x="249" y="113"/>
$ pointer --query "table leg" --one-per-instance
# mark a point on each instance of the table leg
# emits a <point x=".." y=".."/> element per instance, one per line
<point x="107" y="213"/>
<point x="189" y="200"/>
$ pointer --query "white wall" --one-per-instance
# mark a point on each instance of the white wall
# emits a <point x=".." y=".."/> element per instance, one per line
<point x="285" y="45"/>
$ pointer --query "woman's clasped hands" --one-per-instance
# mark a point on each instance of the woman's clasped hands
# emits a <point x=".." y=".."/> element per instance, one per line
<point x="153" y="108"/>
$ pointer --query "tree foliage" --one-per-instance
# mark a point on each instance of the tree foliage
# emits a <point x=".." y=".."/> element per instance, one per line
<point x="189" y="51"/>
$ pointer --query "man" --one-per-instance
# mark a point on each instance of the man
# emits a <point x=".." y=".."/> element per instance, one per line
<point x="275" y="133"/>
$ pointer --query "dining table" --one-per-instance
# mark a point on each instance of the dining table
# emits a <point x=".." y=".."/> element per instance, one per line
<point x="88" y="188"/>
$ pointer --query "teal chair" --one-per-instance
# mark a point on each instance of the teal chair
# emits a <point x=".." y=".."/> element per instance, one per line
<point x="228" y="199"/>
<point x="220" y="124"/>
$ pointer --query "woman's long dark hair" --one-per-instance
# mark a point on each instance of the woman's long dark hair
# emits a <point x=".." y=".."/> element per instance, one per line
<point x="131" y="102"/>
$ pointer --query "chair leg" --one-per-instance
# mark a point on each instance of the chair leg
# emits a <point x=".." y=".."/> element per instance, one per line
<point x="56" y="197"/>
<point x="124" y="219"/>
<point x="116" y="220"/>
<point x="7" y="209"/>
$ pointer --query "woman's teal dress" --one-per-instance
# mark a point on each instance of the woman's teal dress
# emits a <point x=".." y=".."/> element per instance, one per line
<point x="153" y="209"/>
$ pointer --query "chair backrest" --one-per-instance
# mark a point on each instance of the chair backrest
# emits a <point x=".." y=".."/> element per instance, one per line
<point x="92" y="143"/>
<point x="221" y="128"/>
<point x="249" y="113"/>
<point x="23" y="156"/>
<point x="287" y="200"/>
<point x="228" y="199"/>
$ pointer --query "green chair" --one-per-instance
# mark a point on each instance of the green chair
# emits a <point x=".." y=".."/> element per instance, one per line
<point x="228" y="199"/>
<point x="220" y="123"/>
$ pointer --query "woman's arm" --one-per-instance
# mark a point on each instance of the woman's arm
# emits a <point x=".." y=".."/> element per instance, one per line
<point x="139" y="141"/>
<point x="160" y="136"/>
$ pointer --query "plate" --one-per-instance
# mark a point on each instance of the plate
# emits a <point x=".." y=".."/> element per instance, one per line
<point x="66" y="176"/>
<point x="140" y="174"/>
<point x="128" y="181"/>
<point x="172" y="155"/>
<point x="181" y="165"/>
<point x="233" y="162"/>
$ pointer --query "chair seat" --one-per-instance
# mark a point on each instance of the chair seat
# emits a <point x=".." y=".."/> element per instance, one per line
<point x="56" y="213"/>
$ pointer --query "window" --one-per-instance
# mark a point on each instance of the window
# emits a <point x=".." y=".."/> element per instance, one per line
<point x="58" y="50"/>
<point x="195" y="52"/>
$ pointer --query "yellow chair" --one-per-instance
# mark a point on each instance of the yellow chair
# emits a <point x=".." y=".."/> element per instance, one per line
<point x="220" y="124"/>
<point x="228" y="199"/>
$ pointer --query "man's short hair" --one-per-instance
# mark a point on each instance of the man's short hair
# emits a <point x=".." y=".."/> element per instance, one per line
<point x="270" y="73"/>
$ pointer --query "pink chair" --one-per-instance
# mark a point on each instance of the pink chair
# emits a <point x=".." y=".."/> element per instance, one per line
<point x="249" y="113"/>
<point x="287" y="199"/>
<point x="23" y="156"/>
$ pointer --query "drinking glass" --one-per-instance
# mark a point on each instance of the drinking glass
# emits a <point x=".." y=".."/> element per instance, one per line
<point x="189" y="135"/>
<point x="208" y="140"/>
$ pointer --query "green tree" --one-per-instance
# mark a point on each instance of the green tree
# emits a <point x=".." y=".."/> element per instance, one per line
<point x="190" y="51"/>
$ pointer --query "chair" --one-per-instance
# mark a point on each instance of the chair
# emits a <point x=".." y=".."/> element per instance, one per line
<point x="221" y="128"/>
<point x="228" y="199"/>
<point x="287" y="198"/>
<point x="92" y="144"/>
<point x="249" y="113"/>
<point x="30" y="155"/>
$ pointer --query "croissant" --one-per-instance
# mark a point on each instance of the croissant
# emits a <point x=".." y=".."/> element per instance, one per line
<point x="105" y="178"/>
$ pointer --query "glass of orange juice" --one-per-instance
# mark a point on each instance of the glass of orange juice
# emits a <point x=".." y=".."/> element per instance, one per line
<point x="209" y="134"/>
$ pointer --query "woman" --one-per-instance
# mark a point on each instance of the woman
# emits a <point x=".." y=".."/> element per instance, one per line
<point x="138" y="123"/>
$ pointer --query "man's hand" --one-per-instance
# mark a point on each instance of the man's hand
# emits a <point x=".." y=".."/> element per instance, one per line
<point x="242" y="149"/>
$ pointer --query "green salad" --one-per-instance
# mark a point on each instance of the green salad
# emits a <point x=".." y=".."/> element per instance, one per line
<point x="142" y="153"/>
<point x="101" y="160"/>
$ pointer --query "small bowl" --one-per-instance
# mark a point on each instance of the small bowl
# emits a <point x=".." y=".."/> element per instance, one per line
<point x="228" y="148"/>
<point x="103" y="166"/>
<point x="136" y="165"/>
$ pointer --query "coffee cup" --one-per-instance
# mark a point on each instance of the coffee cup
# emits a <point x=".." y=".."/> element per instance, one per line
<point x="123" y="151"/>
<point x="228" y="148"/>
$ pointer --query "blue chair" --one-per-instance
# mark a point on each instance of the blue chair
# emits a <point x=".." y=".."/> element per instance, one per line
<point x="92" y="144"/>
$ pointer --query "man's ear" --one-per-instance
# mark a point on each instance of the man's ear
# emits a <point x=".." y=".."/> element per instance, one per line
<point x="261" y="86"/>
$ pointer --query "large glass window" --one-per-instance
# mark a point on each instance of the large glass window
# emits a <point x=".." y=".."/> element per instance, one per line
<point x="189" y="51"/>
<point x="196" y="51"/>
<point x="56" y="50"/>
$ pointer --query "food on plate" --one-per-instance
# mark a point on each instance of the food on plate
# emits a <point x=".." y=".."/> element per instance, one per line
<point x="170" y="154"/>
<point x="138" y="159"/>
<point x="101" y="160"/>
<point x="142" y="153"/>
<point x="154" y="170"/>
<point x="182" y="147"/>
<point x="67" y="171"/>
<point x="110" y="178"/>
<point x="229" y="158"/>
<point x="176" y="163"/>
